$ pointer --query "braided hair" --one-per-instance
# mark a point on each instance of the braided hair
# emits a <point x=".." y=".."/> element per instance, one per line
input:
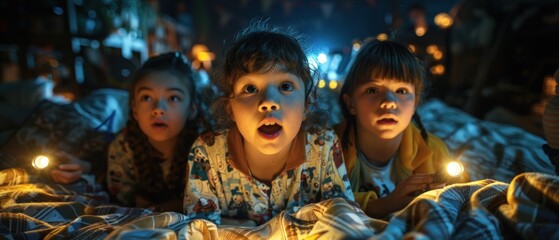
<point x="147" y="159"/>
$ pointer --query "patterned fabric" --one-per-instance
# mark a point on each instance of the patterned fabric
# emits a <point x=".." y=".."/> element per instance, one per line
<point x="414" y="156"/>
<point x="218" y="186"/>
<point x="487" y="149"/>
<point x="122" y="173"/>
<point x="65" y="127"/>
<point x="526" y="208"/>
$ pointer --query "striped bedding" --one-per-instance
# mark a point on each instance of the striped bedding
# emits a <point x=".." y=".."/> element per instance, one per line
<point x="513" y="195"/>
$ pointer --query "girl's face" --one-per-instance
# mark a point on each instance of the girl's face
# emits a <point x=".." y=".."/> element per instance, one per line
<point x="382" y="107"/>
<point x="268" y="109"/>
<point x="161" y="105"/>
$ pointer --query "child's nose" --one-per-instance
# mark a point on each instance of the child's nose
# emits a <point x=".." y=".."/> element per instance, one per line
<point x="159" y="109"/>
<point x="269" y="101"/>
<point x="389" y="101"/>
<point x="269" y="106"/>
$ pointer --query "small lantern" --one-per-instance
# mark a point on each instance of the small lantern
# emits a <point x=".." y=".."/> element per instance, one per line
<point x="453" y="169"/>
<point x="40" y="162"/>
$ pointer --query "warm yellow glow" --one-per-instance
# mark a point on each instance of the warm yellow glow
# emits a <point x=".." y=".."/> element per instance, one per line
<point x="412" y="48"/>
<point x="432" y="48"/>
<point x="205" y="56"/>
<point x="454" y="169"/>
<point x="40" y="162"/>
<point x="382" y="37"/>
<point x="443" y="20"/>
<point x="321" y="83"/>
<point x="197" y="48"/>
<point x="333" y="84"/>
<point x="438" y="55"/>
<point x="549" y="85"/>
<point x="420" y="31"/>
<point x="437" y="69"/>
<point x="356" y="46"/>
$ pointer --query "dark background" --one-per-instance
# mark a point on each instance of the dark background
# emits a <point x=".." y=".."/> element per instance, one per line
<point x="498" y="56"/>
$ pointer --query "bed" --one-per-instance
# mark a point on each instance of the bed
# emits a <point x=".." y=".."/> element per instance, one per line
<point x="513" y="194"/>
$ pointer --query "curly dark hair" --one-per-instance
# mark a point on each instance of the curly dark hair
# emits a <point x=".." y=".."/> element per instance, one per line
<point x="258" y="49"/>
<point x="147" y="159"/>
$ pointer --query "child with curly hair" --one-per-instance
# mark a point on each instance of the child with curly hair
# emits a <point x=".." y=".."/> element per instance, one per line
<point x="263" y="159"/>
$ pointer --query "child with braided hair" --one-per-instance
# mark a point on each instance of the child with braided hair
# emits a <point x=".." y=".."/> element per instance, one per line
<point x="389" y="159"/>
<point x="147" y="161"/>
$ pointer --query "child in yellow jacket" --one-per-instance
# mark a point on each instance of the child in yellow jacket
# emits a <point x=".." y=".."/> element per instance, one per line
<point x="389" y="159"/>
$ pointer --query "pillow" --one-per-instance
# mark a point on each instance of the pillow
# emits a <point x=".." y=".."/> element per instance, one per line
<point x="83" y="129"/>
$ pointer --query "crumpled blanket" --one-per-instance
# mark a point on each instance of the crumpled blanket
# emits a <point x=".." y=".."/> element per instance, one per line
<point x="527" y="207"/>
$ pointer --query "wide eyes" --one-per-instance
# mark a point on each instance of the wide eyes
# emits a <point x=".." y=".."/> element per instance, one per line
<point x="283" y="87"/>
<point x="145" y="98"/>
<point x="148" y="98"/>
<point x="175" y="98"/>
<point x="287" y="87"/>
<point x="373" y="90"/>
<point x="250" y="89"/>
<point x="402" y="91"/>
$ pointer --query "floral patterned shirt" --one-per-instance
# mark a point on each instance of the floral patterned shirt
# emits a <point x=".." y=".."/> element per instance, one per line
<point x="219" y="184"/>
<point x="122" y="174"/>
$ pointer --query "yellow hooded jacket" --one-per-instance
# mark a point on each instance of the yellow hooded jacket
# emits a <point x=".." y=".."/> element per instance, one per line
<point x="415" y="156"/>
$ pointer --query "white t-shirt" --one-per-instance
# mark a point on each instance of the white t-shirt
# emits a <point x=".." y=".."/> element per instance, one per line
<point x="376" y="178"/>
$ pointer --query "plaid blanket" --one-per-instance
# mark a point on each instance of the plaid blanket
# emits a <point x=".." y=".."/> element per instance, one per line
<point x="527" y="207"/>
<point x="487" y="149"/>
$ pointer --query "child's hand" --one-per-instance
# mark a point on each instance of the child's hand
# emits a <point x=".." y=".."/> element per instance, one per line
<point x="70" y="170"/>
<point x="402" y="195"/>
<point x="417" y="183"/>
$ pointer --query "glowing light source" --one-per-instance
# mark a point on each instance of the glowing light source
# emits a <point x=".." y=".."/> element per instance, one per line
<point x="432" y="48"/>
<point x="202" y="56"/>
<point x="443" y="20"/>
<point x="40" y="162"/>
<point x="382" y="37"/>
<point x="420" y="31"/>
<point x="356" y="46"/>
<point x="438" y="55"/>
<point x="454" y="169"/>
<point x="322" y="58"/>
<point x="437" y="69"/>
<point x="333" y="84"/>
<point x="321" y="83"/>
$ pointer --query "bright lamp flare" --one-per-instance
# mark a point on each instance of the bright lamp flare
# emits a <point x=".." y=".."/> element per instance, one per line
<point x="454" y="169"/>
<point x="40" y="162"/>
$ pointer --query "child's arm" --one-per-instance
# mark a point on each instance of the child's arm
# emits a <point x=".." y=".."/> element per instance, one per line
<point x="200" y="198"/>
<point x="337" y="171"/>
<point x="120" y="182"/>
<point x="402" y="195"/>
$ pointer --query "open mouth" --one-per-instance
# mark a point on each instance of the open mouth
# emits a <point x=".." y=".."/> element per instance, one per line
<point x="270" y="130"/>
<point x="159" y="125"/>
<point x="388" y="121"/>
